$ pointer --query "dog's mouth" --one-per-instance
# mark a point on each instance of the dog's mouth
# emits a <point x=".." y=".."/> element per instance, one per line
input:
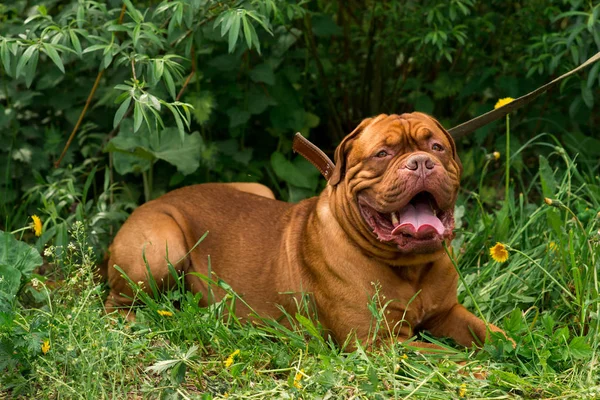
<point x="419" y="223"/>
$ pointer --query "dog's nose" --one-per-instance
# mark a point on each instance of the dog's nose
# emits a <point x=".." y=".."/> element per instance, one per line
<point x="419" y="162"/>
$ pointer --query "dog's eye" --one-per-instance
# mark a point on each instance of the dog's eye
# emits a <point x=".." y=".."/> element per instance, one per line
<point x="382" y="154"/>
<point x="437" y="147"/>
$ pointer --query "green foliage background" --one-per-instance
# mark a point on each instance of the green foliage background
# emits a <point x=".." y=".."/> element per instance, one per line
<point x="262" y="70"/>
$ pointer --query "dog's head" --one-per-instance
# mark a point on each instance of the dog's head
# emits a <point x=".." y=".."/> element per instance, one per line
<point x="400" y="175"/>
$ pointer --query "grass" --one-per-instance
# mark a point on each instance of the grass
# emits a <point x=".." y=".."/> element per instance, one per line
<point x="546" y="296"/>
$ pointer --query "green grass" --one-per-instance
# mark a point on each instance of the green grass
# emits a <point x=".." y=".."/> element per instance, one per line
<point x="545" y="296"/>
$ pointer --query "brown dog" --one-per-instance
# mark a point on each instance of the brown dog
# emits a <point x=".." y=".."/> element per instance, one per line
<point x="381" y="221"/>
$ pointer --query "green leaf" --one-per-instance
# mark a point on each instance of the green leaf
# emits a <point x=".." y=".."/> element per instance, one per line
<point x="121" y="111"/>
<point x="138" y="116"/>
<point x="75" y="42"/>
<point x="263" y="73"/>
<point x="248" y="28"/>
<point x="95" y="47"/>
<point x="177" y="120"/>
<point x="18" y="254"/>
<point x="54" y="56"/>
<point x="9" y="284"/>
<point x="80" y="15"/>
<point x="203" y="104"/>
<point x="323" y="25"/>
<point x="24" y="59"/>
<point x="549" y="190"/>
<point x="579" y="348"/>
<point x="185" y="155"/>
<point x="168" y="79"/>
<point x="234" y="32"/>
<point x="587" y="95"/>
<point x="129" y="149"/>
<point x="133" y="12"/>
<point x="237" y="116"/>
<point x="290" y="173"/>
<point x="5" y="56"/>
<point x="30" y="68"/>
<point x="310" y="327"/>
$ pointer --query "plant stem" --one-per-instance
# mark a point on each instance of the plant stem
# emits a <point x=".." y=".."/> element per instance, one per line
<point x="507" y="173"/>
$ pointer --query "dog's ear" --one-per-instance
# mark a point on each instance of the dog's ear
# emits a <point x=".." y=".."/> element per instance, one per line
<point x="450" y="139"/>
<point x="342" y="150"/>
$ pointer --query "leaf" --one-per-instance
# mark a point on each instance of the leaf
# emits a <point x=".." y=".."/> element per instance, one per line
<point x="234" y="32"/>
<point x="263" y="73"/>
<point x="5" y="56"/>
<point x="24" y="59"/>
<point x="237" y="117"/>
<point x="248" y="28"/>
<point x="323" y="25"/>
<point x="54" y="56"/>
<point x="18" y="254"/>
<point x="10" y="282"/>
<point x="121" y="111"/>
<point x="203" y="104"/>
<point x="168" y="79"/>
<point x="137" y="116"/>
<point x="75" y="42"/>
<point x="288" y="172"/>
<point x="549" y="190"/>
<point x="30" y="68"/>
<point x="161" y="366"/>
<point x="129" y="150"/>
<point x="185" y="155"/>
<point x="310" y="327"/>
<point x="579" y="348"/>
<point x="587" y="95"/>
<point x="95" y="47"/>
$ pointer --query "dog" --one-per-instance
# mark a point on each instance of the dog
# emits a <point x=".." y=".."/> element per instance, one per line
<point x="377" y="229"/>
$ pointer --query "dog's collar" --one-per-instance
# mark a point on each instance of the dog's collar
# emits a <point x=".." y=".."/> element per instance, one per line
<point x="313" y="154"/>
<point x="324" y="164"/>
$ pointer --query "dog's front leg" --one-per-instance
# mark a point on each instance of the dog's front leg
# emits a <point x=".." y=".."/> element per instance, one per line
<point x="461" y="325"/>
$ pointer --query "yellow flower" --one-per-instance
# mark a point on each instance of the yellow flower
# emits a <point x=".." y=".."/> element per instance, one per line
<point x="503" y="102"/>
<point x="37" y="225"/>
<point x="499" y="252"/>
<point x="46" y="346"/>
<point x="463" y="390"/>
<point x="496" y="155"/>
<point x="298" y="378"/>
<point x="229" y="360"/>
<point x="164" y="313"/>
<point x="404" y="356"/>
<point x="553" y="246"/>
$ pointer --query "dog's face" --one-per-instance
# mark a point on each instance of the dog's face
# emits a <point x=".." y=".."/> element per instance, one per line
<point x="401" y="175"/>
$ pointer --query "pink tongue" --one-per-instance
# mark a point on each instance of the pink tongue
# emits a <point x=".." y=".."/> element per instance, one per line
<point x="418" y="220"/>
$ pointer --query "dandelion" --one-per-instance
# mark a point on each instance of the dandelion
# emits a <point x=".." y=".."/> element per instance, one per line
<point x="463" y="390"/>
<point x="496" y="155"/>
<point x="499" y="252"/>
<point x="404" y="356"/>
<point x="37" y="225"/>
<point x="503" y="102"/>
<point x="164" y="313"/>
<point x="553" y="246"/>
<point x="298" y="378"/>
<point x="229" y="360"/>
<point x="46" y="346"/>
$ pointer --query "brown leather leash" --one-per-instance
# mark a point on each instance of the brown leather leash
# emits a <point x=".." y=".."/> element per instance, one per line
<point x="324" y="164"/>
